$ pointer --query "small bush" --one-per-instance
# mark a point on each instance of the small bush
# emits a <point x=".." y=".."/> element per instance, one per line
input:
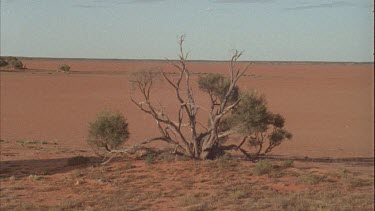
<point x="224" y="161"/>
<point x="359" y="182"/>
<point x="11" y="62"/>
<point x="288" y="164"/>
<point x="12" y="178"/>
<point x="237" y="194"/>
<point x="68" y="204"/>
<point x="3" y="63"/>
<point x="167" y="156"/>
<point x="78" y="160"/>
<point x="63" y="68"/>
<point x="16" y="65"/>
<point x="109" y="131"/>
<point x="311" y="179"/>
<point x="263" y="167"/>
<point x="35" y="177"/>
<point x="218" y="85"/>
<point x="149" y="159"/>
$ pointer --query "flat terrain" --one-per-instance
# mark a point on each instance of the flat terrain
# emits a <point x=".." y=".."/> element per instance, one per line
<point x="329" y="108"/>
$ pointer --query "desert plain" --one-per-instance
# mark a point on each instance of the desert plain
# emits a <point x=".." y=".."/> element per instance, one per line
<point x="329" y="108"/>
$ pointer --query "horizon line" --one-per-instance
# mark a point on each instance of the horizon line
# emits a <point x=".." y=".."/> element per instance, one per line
<point x="192" y="60"/>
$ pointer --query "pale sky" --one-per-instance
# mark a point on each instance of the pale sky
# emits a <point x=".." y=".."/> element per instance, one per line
<point x="267" y="30"/>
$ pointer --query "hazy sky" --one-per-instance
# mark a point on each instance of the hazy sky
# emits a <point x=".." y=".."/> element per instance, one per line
<point x="290" y="30"/>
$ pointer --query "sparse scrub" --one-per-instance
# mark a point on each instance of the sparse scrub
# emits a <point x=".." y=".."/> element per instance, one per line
<point x="359" y="182"/>
<point x="11" y="62"/>
<point x="16" y="64"/>
<point x="167" y="156"/>
<point x="199" y="207"/>
<point x="12" y="178"/>
<point x="288" y="164"/>
<point x="149" y="159"/>
<point x="44" y="172"/>
<point x="224" y="161"/>
<point x="35" y="177"/>
<point x="262" y="167"/>
<point x="63" y="68"/>
<point x="128" y="165"/>
<point x="107" y="132"/>
<point x="146" y="188"/>
<point x="276" y="174"/>
<point x="343" y="173"/>
<point x="311" y="178"/>
<point x="236" y="194"/>
<point x="3" y="62"/>
<point x="194" y="202"/>
<point x="69" y="204"/>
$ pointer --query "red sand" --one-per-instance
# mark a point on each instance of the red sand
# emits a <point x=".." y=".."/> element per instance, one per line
<point x="328" y="107"/>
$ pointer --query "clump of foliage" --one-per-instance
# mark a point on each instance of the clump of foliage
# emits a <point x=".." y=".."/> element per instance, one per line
<point x="262" y="130"/>
<point x="35" y="177"/>
<point x="11" y="62"/>
<point x="288" y="164"/>
<point x="262" y="167"/>
<point x="149" y="159"/>
<point x="3" y="63"/>
<point x="63" y="68"/>
<point x="107" y="132"/>
<point x="359" y="182"/>
<point x="311" y="178"/>
<point x="218" y="86"/>
<point x="78" y="160"/>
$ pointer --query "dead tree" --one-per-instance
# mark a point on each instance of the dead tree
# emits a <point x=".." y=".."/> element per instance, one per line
<point x="189" y="136"/>
<point x="196" y="144"/>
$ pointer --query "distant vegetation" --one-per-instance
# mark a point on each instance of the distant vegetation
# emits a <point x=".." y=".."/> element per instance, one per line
<point x="63" y="68"/>
<point x="11" y="62"/>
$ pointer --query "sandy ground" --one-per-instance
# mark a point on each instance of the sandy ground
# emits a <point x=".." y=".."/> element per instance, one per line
<point x="328" y="107"/>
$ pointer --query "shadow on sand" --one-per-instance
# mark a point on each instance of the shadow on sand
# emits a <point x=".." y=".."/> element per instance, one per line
<point x="361" y="161"/>
<point x="24" y="168"/>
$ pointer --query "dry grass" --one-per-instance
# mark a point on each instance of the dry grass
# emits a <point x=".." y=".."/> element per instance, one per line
<point x="223" y="184"/>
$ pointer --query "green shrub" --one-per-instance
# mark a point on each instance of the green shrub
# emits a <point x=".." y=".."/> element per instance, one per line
<point x="311" y="179"/>
<point x="359" y="182"/>
<point x="63" y="68"/>
<point x="16" y="65"/>
<point x="3" y="63"/>
<point x="288" y="164"/>
<point x="109" y="131"/>
<point x="149" y="159"/>
<point x="218" y="86"/>
<point x="263" y="167"/>
<point x="11" y="62"/>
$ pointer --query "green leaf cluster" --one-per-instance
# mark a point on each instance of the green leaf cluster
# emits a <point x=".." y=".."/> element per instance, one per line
<point x="109" y="130"/>
<point x="218" y="86"/>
